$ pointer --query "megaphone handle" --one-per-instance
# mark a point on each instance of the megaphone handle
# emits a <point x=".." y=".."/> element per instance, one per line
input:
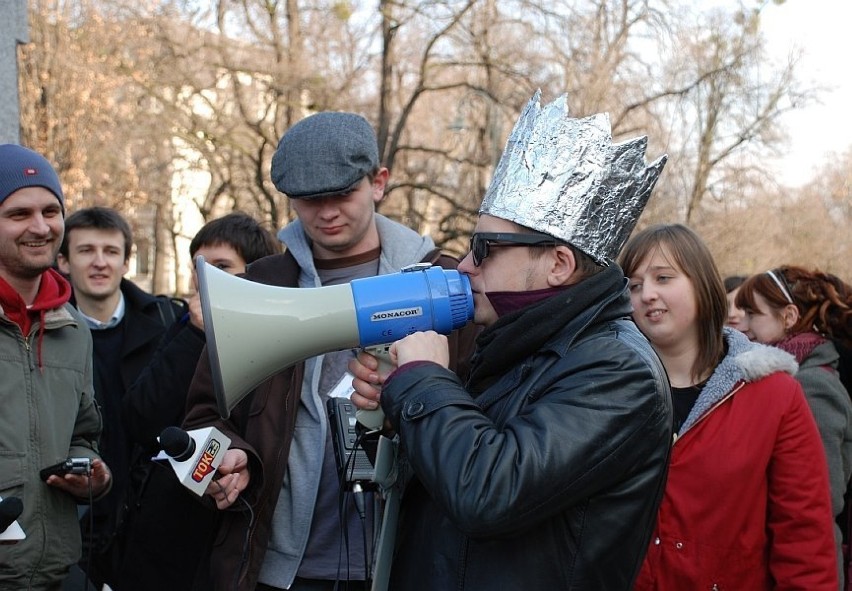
<point x="374" y="420"/>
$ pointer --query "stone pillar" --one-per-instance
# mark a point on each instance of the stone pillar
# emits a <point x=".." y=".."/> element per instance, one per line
<point x="14" y="29"/>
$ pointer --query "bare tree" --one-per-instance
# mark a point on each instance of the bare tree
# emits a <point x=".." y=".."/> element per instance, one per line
<point x="724" y="101"/>
<point x="192" y="104"/>
<point x="80" y="110"/>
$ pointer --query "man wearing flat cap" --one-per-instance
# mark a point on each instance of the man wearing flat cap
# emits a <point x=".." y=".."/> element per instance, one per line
<point x="48" y="407"/>
<point x="304" y="533"/>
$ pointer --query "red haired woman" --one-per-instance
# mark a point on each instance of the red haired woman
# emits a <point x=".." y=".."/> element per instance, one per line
<point x="807" y="313"/>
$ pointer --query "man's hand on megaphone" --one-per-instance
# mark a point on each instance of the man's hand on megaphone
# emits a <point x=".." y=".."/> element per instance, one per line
<point x="367" y="381"/>
<point x="233" y="478"/>
<point x="421" y="346"/>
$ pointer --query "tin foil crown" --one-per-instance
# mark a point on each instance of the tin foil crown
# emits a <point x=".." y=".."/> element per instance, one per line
<point x="564" y="177"/>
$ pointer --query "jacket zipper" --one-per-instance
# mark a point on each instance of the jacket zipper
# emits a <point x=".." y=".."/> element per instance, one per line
<point x="737" y="387"/>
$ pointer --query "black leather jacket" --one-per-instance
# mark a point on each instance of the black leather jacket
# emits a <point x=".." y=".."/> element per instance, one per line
<point x="551" y="476"/>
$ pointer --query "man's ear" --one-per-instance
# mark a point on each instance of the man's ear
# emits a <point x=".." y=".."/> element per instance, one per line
<point x="62" y="263"/>
<point x="380" y="181"/>
<point x="563" y="265"/>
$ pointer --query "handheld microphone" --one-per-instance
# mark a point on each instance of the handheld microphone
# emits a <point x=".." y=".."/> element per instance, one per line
<point x="177" y="443"/>
<point x="10" y="509"/>
<point x="194" y="455"/>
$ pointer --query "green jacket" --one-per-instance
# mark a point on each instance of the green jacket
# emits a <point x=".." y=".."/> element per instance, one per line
<point x="48" y="414"/>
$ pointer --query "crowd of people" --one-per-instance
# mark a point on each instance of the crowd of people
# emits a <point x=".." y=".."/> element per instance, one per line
<point x="617" y="416"/>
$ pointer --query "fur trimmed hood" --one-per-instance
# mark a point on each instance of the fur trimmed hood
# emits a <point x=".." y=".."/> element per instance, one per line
<point x="745" y="361"/>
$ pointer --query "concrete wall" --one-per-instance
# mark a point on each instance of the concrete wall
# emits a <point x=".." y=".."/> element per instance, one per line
<point x="14" y="29"/>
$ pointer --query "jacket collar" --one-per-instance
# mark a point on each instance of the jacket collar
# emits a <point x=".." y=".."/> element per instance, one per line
<point x="401" y="246"/>
<point x="744" y="361"/>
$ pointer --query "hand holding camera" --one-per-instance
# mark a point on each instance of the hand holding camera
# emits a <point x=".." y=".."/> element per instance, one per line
<point x="69" y="466"/>
<point x="80" y="477"/>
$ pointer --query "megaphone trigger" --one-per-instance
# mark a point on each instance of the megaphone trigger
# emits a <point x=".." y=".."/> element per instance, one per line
<point x="373" y="420"/>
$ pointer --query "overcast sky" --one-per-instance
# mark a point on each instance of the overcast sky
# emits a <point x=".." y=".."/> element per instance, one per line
<point x="823" y="29"/>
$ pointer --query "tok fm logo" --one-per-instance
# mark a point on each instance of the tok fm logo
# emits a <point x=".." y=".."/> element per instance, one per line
<point x="205" y="463"/>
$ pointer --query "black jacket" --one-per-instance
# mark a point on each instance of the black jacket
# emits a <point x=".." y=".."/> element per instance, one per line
<point x="550" y="475"/>
<point x="157" y="399"/>
<point x="165" y="539"/>
<point x="146" y="319"/>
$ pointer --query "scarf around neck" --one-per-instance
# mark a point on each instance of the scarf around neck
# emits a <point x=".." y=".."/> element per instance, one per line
<point x="800" y="345"/>
<point x="506" y="302"/>
<point x="519" y="334"/>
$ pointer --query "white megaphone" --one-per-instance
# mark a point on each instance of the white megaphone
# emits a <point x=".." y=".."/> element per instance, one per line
<point x="255" y="330"/>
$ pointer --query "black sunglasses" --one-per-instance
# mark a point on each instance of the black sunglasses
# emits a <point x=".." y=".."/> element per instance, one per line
<point x="481" y="242"/>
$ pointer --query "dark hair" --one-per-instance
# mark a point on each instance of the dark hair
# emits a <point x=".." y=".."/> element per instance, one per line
<point x="98" y="218"/>
<point x="824" y="301"/>
<point x="689" y="254"/>
<point x="586" y="265"/>
<point x="240" y="231"/>
<point x="734" y="281"/>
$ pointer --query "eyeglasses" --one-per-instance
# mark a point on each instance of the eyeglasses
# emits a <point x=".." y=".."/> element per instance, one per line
<point x="481" y="242"/>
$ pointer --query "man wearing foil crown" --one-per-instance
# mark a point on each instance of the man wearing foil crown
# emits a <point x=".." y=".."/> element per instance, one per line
<point x="545" y="469"/>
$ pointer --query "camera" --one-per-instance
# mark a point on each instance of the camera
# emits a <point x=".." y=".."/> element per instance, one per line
<point x="69" y="466"/>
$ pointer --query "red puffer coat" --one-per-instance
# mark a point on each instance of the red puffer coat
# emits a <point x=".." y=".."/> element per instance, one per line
<point x="747" y="504"/>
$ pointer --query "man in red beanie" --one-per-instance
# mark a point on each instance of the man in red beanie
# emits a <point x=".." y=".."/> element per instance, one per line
<point x="49" y="413"/>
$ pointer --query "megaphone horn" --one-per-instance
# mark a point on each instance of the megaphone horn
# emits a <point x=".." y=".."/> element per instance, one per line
<point x="255" y="330"/>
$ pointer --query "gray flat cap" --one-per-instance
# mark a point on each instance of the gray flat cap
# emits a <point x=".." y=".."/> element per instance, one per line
<point x="323" y="155"/>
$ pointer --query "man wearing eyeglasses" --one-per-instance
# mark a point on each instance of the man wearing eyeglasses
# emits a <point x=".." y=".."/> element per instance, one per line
<point x="544" y="470"/>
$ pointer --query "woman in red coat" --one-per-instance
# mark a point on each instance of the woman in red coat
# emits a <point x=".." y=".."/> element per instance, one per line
<point x="746" y="504"/>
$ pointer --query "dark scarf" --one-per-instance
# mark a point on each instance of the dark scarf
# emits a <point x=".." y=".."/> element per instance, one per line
<point x="506" y="302"/>
<point x="517" y="335"/>
<point x="801" y="345"/>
